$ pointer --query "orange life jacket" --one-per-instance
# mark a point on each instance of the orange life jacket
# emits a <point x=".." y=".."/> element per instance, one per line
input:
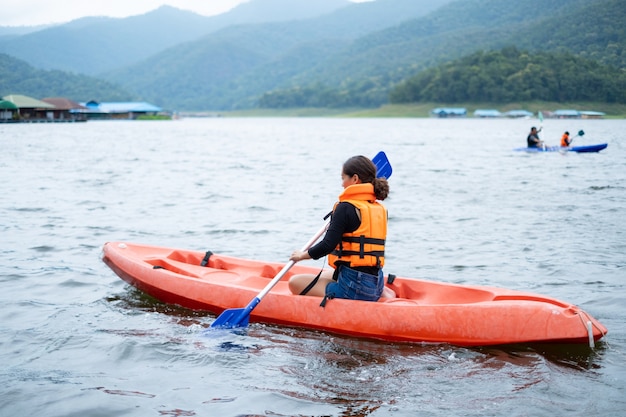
<point x="366" y="245"/>
<point x="565" y="140"/>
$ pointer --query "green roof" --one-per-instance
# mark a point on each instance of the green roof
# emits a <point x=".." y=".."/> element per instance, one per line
<point x="7" y="105"/>
<point x="25" y="102"/>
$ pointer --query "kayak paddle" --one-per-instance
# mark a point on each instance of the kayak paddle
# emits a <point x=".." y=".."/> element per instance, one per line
<point x="540" y="116"/>
<point x="239" y="317"/>
<point x="580" y="133"/>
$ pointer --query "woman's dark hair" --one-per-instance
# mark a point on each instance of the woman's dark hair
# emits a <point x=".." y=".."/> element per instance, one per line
<point x="366" y="170"/>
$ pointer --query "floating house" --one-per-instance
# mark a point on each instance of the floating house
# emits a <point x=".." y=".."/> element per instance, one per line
<point x="566" y="114"/>
<point x="65" y="109"/>
<point x="519" y="114"/>
<point x="449" y="112"/>
<point x="118" y="110"/>
<point x="487" y="113"/>
<point x="592" y="114"/>
<point x="18" y="108"/>
<point x="8" y="111"/>
<point x="27" y="109"/>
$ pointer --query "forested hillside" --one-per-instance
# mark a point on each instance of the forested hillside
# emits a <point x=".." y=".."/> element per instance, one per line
<point x="329" y="68"/>
<point x="595" y="31"/>
<point x="231" y="68"/>
<point x="18" y="77"/>
<point x="511" y="75"/>
<point x="367" y="70"/>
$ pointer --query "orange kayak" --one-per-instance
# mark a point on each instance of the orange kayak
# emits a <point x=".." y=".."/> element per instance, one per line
<point x="423" y="311"/>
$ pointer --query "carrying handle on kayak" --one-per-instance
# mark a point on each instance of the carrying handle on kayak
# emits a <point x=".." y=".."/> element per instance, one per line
<point x="239" y="317"/>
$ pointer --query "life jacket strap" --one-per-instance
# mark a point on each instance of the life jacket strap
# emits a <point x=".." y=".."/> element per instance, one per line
<point x="363" y="240"/>
<point x="377" y="253"/>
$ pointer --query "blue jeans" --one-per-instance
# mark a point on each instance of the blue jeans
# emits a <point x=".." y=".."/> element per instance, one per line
<point x="356" y="285"/>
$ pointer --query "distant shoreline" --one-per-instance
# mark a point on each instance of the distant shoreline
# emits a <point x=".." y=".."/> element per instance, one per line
<point x="421" y="110"/>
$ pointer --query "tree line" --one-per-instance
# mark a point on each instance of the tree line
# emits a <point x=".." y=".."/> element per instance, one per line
<point x="510" y="75"/>
<point x="503" y="76"/>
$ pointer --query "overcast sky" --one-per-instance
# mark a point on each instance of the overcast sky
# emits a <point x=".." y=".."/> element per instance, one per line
<point x="39" y="12"/>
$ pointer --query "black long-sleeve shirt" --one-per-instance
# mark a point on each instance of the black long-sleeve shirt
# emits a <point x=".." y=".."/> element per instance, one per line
<point x="345" y="219"/>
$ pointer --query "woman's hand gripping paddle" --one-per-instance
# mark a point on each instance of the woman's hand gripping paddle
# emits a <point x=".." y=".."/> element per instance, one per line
<point x="239" y="317"/>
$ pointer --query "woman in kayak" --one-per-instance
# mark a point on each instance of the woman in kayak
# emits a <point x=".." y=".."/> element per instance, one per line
<point x="533" y="138"/>
<point x="354" y="241"/>
<point x="565" y="140"/>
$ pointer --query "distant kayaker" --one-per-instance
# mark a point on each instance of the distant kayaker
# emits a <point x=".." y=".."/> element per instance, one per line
<point x="533" y="138"/>
<point x="354" y="241"/>
<point x="565" y="140"/>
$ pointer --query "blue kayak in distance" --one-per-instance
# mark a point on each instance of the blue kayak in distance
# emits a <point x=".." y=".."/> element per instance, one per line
<point x="580" y="149"/>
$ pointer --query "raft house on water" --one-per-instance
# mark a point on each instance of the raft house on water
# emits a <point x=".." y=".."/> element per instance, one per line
<point x="453" y="112"/>
<point x="16" y="108"/>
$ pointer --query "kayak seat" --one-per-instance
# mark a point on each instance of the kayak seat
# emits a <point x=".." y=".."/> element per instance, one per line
<point x="170" y="266"/>
<point x="185" y="256"/>
<point x="194" y="270"/>
<point x="269" y="271"/>
<point x="440" y="294"/>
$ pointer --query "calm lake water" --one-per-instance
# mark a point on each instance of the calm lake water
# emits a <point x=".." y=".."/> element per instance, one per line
<point x="464" y="208"/>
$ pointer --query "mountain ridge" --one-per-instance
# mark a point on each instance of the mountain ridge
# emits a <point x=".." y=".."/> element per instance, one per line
<point x="361" y="50"/>
<point x="93" y="45"/>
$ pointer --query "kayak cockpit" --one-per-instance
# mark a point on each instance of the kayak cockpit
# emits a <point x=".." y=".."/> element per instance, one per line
<point x="441" y="293"/>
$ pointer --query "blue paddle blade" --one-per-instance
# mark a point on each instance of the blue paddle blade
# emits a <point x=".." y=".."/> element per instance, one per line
<point x="581" y="133"/>
<point x="383" y="166"/>
<point x="233" y="317"/>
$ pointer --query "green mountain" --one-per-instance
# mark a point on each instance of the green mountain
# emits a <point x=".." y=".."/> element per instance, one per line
<point x="357" y="63"/>
<point x="351" y="56"/>
<point x="384" y="58"/>
<point x="18" y="77"/>
<point x="231" y="68"/>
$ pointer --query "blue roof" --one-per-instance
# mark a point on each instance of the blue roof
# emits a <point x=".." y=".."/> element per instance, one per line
<point x="567" y="113"/>
<point x="487" y="113"/>
<point x="519" y="113"/>
<point x="450" y="110"/>
<point x="593" y="113"/>
<point x="122" y="107"/>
